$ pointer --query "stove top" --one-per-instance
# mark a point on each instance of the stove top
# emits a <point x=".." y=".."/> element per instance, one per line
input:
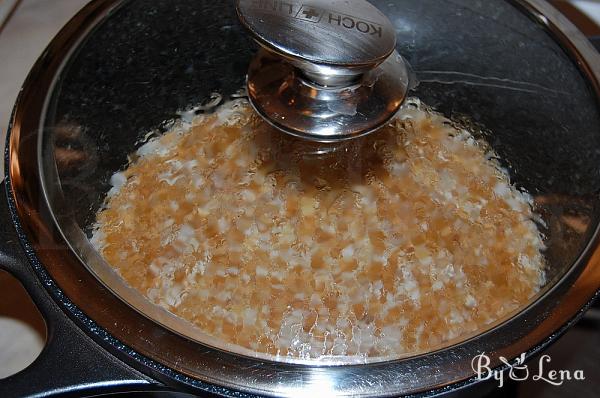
<point x="578" y="349"/>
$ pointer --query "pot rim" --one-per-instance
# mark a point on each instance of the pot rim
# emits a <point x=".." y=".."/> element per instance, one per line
<point x="129" y="333"/>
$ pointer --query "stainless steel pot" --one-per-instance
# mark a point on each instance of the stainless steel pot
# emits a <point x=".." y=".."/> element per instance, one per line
<point x="121" y="68"/>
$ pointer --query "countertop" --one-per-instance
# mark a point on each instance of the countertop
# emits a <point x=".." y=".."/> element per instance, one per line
<point x="30" y="26"/>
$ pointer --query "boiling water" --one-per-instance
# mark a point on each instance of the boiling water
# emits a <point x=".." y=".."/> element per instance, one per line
<point x="396" y="243"/>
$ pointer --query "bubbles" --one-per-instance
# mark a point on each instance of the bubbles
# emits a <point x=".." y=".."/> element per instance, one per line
<point x="389" y="244"/>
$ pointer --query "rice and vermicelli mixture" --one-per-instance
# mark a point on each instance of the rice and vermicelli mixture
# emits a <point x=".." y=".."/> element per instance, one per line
<point x="394" y="243"/>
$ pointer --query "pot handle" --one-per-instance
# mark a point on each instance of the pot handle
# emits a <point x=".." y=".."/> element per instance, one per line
<point x="71" y="363"/>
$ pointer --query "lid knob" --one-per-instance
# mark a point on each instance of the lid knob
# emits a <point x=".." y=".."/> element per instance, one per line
<point x="328" y="70"/>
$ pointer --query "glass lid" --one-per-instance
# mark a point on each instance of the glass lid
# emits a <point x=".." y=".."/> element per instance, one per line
<point x="463" y="187"/>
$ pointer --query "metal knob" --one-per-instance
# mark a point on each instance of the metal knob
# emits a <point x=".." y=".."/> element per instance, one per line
<point x="328" y="69"/>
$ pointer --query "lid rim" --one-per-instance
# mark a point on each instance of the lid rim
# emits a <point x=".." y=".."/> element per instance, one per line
<point x="24" y="206"/>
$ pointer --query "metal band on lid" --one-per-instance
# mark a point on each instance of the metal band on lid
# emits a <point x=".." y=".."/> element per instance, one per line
<point x="352" y="34"/>
<point x="328" y="71"/>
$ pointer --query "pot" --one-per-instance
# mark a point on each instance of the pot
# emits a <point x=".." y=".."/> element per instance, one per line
<point x="516" y="72"/>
